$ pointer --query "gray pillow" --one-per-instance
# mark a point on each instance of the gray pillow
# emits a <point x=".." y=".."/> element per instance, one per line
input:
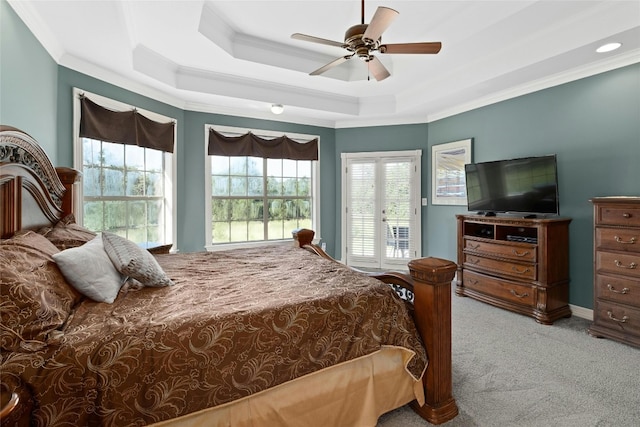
<point x="134" y="261"/>
<point x="89" y="269"/>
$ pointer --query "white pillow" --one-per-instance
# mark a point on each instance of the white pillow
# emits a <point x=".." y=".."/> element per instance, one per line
<point x="133" y="261"/>
<point x="89" y="269"/>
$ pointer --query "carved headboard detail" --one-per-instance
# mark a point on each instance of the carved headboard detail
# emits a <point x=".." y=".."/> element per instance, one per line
<point x="32" y="194"/>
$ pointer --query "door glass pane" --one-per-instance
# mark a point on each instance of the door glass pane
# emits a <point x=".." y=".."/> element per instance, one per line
<point x="397" y="208"/>
<point x="362" y="240"/>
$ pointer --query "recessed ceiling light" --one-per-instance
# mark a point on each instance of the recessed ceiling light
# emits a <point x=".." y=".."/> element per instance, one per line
<point x="277" y="108"/>
<point x="608" y="47"/>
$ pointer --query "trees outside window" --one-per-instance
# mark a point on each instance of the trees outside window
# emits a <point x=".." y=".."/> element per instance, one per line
<point x="256" y="199"/>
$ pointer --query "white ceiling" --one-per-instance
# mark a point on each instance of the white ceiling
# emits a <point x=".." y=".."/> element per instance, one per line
<point x="238" y="57"/>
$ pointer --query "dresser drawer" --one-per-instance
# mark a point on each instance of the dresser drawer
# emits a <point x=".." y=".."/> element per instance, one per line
<point x="618" y="239"/>
<point x="618" y="289"/>
<point x="624" y="264"/>
<point x="503" y="289"/>
<point x="517" y="252"/>
<point x="627" y="216"/>
<point x="494" y="266"/>
<point x="621" y="318"/>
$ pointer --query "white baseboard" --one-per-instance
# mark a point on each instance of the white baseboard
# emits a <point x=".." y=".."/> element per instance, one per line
<point x="584" y="313"/>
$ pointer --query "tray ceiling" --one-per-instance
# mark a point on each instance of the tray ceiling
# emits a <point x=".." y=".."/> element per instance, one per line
<point x="237" y="57"/>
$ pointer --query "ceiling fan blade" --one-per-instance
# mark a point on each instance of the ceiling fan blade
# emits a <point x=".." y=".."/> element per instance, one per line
<point x="330" y="65"/>
<point x="426" y="47"/>
<point x="313" y="39"/>
<point x="381" y="20"/>
<point x="377" y="69"/>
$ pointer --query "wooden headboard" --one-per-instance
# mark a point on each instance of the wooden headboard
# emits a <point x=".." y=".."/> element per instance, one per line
<point x="33" y="193"/>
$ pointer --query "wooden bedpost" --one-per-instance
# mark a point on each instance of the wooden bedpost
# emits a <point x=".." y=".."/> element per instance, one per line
<point x="430" y="283"/>
<point x="70" y="178"/>
<point x="432" y="302"/>
<point x="302" y="237"/>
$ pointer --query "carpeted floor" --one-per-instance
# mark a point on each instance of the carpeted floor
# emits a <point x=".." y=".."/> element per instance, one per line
<point x="510" y="371"/>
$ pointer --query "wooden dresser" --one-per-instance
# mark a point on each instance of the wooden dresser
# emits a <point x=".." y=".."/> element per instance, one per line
<point x="616" y="310"/>
<point x="518" y="264"/>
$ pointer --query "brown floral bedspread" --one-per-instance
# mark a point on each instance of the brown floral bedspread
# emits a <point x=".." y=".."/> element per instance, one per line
<point x="235" y="323"/>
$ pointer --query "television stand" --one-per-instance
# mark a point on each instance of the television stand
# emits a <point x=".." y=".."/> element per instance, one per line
<point x="519" y="264"/>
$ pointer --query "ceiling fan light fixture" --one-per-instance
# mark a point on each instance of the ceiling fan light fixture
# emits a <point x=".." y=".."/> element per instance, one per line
<point x="608" y="47"/>
<point x="277" y="108"/>
<point x="363" y="40"/>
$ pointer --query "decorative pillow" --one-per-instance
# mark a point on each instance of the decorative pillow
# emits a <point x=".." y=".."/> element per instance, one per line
<point x="67" y="234"/>
<point x="133" y="261"/>
<point x="89" y="269"/>
<point x="34" y="296"/>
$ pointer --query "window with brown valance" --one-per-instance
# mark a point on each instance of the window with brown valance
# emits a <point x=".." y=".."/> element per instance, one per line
<point x="124" y="127"/>
<point x="252" y="145"/>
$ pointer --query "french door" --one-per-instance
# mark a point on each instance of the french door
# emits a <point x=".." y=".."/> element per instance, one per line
<point x="380" y="197"/>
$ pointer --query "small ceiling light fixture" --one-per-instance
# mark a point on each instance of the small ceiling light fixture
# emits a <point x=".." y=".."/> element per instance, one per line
<point x="608" y="47"/>
<point x="277" y="108"/>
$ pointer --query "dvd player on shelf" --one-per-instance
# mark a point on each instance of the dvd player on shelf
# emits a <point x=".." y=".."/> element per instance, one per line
<point x="525" y="239"/>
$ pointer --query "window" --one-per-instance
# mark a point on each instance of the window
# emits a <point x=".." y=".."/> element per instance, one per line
<point x="255" y="199"/>
<point x="123" y="188"/>
<point x="126" y="189"/>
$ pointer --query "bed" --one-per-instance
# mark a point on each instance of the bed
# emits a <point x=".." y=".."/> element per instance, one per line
<point x="281" y="335"/>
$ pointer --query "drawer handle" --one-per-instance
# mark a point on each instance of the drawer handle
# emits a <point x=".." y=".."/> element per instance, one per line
<point x="628" y="242"/>
<point x="472" y="281"/>
<point x="626" y="215"/>
<point x="525" y="253"/>
<point x="612" y="289"/>
<point x="474" y="246"/>
<point x="514" y="293"/>
<point x="631" y="266"/>
<point x="526" y="270"/>
<point x="623" y="320"/>
<point x="474" y="261"/>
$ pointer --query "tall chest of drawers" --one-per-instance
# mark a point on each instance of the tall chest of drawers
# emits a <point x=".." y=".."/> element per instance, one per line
<point x="518" y="264"/>
<point x="616" y="311"/>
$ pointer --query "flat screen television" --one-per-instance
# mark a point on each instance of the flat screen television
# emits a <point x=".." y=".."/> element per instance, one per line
<point x="527" y="185"/>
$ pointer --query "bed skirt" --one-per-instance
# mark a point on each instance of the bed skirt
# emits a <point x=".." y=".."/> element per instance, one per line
<point x="353" y="393"/>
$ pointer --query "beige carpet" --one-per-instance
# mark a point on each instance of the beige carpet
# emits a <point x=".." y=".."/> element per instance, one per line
<point x="510" y="371"/>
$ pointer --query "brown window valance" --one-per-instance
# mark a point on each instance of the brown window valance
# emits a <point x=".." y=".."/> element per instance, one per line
<point x="124" y="127"/>
<point x="250" y="144"/>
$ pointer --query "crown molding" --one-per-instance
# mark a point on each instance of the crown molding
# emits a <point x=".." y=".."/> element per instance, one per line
<point x="619" y="61"/>
<point x="38" y="28"/>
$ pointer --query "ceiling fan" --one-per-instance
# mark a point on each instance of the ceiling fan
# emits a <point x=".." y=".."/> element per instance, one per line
<point x="363" y="40"/>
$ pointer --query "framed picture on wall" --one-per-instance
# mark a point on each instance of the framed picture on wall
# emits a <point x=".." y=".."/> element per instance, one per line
<point x="448" y="185"/>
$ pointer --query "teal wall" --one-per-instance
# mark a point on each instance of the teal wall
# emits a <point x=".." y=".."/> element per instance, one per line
<point x="591" y="124"/>
<point x="28" y="82"/>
